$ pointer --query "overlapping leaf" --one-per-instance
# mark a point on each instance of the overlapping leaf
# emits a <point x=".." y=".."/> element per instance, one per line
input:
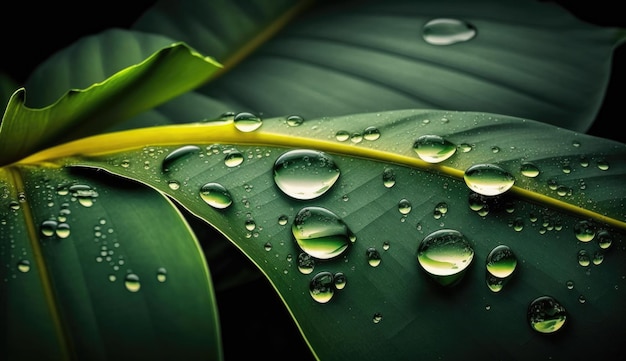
<point x="399" y="312"/>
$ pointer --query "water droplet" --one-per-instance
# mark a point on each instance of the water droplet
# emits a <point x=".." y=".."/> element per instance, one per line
<point x="322" y="287"/>
<point x="340" y="280"/>
<point x="373" y="256"/>
<point x="294" y="120"/>
<point x="84" y="194"/>
<point x="247" y="122"/>
<point x="175" y="157"/>
<point x="389" y="177"/>
<point x="598" y="257"/>
<point x="249" y="223"/>
<point x="440" y="210"/>
<point x="569" y="284"/>
<point x="173" y="184"/>
<point x="445" y="255"/>
<point x="267" y="246"/>
<point x="377" y="317"/>
<point x="445" y="31"/>
<point x="404" y="206"/>
<point x="356" y="138"/>
<point x="161" y="274"/>
<point x="546" y="315"/>
<point x="501" y="261"/>
<point x="63" y="230"/>
<point x="305" y="174"/>
<point x="386" y="245"/>
<point x="583" y="258"/>
<point x="321" y="233"/>
<point x="233" y="158"/>
<point x="23" y="266"/>
<point x="132" y="282"/>
<point x="216" y="195"/>
<point x="371" y="133"/>
<point x="227" y="116"/>
<point x="433" y="148"/>
<point x="529" y="170"/>
<point x="603" y="164"/>
<point x="488" y="179"/>
<point x="604" y="239"/>
<point x="283" y="219"/>
<point x="342" y="135"/>
<point x="112" y="278"/>
<point x="48" y="227"/>
<point x="585" y="231"/>
<point x="306" y="263"/>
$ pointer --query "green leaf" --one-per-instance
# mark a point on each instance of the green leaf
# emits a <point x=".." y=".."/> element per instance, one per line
<point x="395" y="310"/>
<point x="69" y="242"/>
<point x="339" y="58"/>
<point x="79" y="113"/>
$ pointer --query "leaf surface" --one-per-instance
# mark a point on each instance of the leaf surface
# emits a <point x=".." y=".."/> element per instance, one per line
<point x="399" y="311"/>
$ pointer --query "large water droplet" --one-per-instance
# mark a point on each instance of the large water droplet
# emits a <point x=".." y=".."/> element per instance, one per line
<point x="23" y="266"/>
<point x="585" y="231"/>
<point x="445" y="255"/>
<point x="433" y="148"/>
<point x="233" y="158"/>
<point x="445" y="31"/>
<point x="488" y="179"/>
<point x="321" y="233"/>
<point x="63" y="230"/>
<point x="48" y="227"/>
<point x="305" y="174"/>
<point x="322" y="287"/>
<point x="501" y="261"/>
<point x="546" y="315"/>
<point x="529" y="170"/>
<point x="131" y="282"/>
<point x="247" y="122"/>
<point x="216" y="195"/>
<point x="174" y="158"/>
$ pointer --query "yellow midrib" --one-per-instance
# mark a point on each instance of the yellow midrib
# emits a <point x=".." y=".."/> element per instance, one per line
<point x="225" y="132"/>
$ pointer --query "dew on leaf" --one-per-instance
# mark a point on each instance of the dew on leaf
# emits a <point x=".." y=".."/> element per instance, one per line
<point x="529" y="170"/>
<point x="161" y="275"/>
<point x="371" y="133"/>
<point x="404" y="206"/>
<point x="321" y="233"/>
<point x="501" y="261"/>
<point x="62" y="230"/>
<point x="283" y="219"/>
<point x="173" y="159"/>
<point x="604" y="239"/>
<point x="447" y="31"/>
<point x="247" y="122"/>
<point x="546" y="315"/>
<point x="433" y="148"/>
<point x="23" y="266"/>
<point x="305" y="174"/>
<point x="216" y="195"/>
<point x="294" y="120"/>
<point x="585" y="231"/>
<point x="373" y="256"/>
<point x="386" y="245"/>
<point x="173" y="185"/>
<point x="356" y="138"/>
<point x="131" y="282"/>
<point x="377" y="317"/>
<point x="48" y="227"/>
<point x="306" y="263"/>
<point x="342" y="135"/>
<point x="389" y="177"/>
<point x="84" y="194"/>
<point x="445" y="255"/>
<point x="488" y="179"/>
<point x="322" y="287"/>
<point x="233" y="158"/>
<point x="340" y="280"/>
<point x="583" y="258"/>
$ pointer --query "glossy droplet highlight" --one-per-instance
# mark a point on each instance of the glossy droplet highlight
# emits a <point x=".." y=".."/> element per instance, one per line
<point x="322" y="287"/>
<point x="389" y="177"/>
<point x="433" y="148"/>
<point x="247" y="122"/>
<point x="585" y="231"/>
<point x="216" y="195"/>
<point x="546" y="315"/>
<point x="233" y="158"/>
<point x="529" y="170"/>
<point x="404" y="206"/>
<point x="340" y="280"/>
<point x="488" y="179"/>
<point x="306" y="263"/>
<point x="161" y="275"/>
<point x="321" y="233"/>
<point x="178" y="155"/>
<point x="501" y="261"/>
<point x="48" y="227"/>
<point x="131" y="282"/>
<point x="23" y="266"/>
<point x="305" y="174"/>
<point x="447" y="31"/>
<point x="445" y="255"/>
<point x="294" y="120"/>
<point x="371" y="133"/>
<point x="373" y="257"/>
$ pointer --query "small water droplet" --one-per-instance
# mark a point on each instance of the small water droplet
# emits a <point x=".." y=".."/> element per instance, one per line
<point x="305" y="174"/>
<point x="433" y="148"/>
<point x="340" y="280"/>
<point x="501" y="261"/>
<point x="131" y="282"/>
<point x="306" y="263"/>
<point x="84" y="194"/>
<point x="247" y="122"/>
<point x="583" y="258"/>
<point x="161" y="274"/>
<point x="377" y="317"/>
<point x="322" y="287"/>
<point x="342" y="135"/>
<point x="445" y="255"/>
<point x="294" y="120"/>
<point x="488" y="179"/>
<point x="529" y="170"/>
<point x="569" y="284"/>
<point x="321" y="233"/>
<point x="603" y="164"/>
<point x="371" y="133"/>
<point x="227" y="116"/>
<point x="216" y="195"/>
<point x="283" y="219"/>
<point x="389" y="177"/>
<point x="404" y="206"/>
<point x="172" y="161"/>
<point x="604" y="239"/>
<point x="585" y="231"/>
<point x="23" y="266"/>
<point x="546" y="315"/>
<point x="63" y="230"/>
<point x="373" y="257"/>
<point x="173" y="184"/>
<point x="48" y="227"/>
<point x="356" y="138"/>
<point x="446" y="31"/>
<point x="233" y="158"/>
<point x="597" y="259"/>
<point x="386" y="245"/>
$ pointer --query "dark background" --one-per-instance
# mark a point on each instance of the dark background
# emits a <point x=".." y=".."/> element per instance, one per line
<point x="253" y="318"/>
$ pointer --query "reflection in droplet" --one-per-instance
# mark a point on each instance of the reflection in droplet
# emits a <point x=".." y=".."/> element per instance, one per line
<point x="176" y="156"/>
<point x="283" y="219"/>
<point x="389" y="177"/>
<point x="161" y="274"/>
<point x="322" y="287"/>
<point x="305" y="174"/>
<point x="48" y="227"/>
<point x="377" y="317"/>
<point x="501" y="261"/>
<point x="583" y="258"/>
<point x="233" y="158"/>
<point x="294" y="120"/>
<point x="62" y="230"/>
<point x="529" y="170"/>
<point x="445" y="255"/>
<point x="306" y="263"/>
<point x="23" y="266"/>
<point x="373" y="256"/>
<point x="546" y="315"/>
<point x="342" y="135"/>
<point x="488" y="179"/>
<point x="340" y="280"/>
<point x="247" y="122"/>
<point x="604" y="239"/>
<point x="321" y="233"/>
<point x="585" y="231"/>
<point x="216" y="195"/>
<point x="371" y="133"/>
<point x="434" y="148"/>
<point x="404" y="206"/>
<point x="446" y="31"/>
<point x="131" y="282"/>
